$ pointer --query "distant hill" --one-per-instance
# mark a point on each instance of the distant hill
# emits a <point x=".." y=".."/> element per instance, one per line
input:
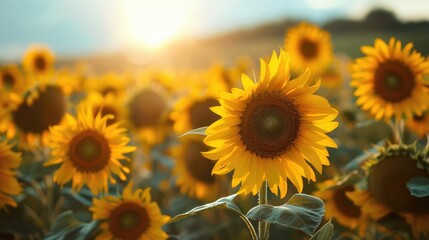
<point x="347" y="36"/>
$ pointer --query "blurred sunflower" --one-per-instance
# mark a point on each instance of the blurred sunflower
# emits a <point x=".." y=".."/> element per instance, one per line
<point x="396" y="165"/>
<point x="419" y="124"/>
<point x="194" y="171"/>
<point x="340" y="207"/>
<point x="38" y="60"/>
<point x="88" y="150"/>
<point x="9" y="186"/>
<point x="193" y="111"/>
<point x="31" y="117"/>
<point x="269" y="130"/>
<point x="106" y="105"/>
<point x="148" y="109"/>
<point x="131" y="216"/>
<point x="11" y="79"/>
<point x="309" y="47"/>
<point x="389" y="80"/>
<point x="109" y="83"/>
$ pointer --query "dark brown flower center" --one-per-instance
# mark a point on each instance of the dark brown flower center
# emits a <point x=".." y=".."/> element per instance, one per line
<point x="109" y="90"/>
<point x="8" y="80"/>
<point x="197" y="165"/>
<point x="269" y="125"/>
<point x="107" y="110"/>
<point x="419" y="118"/>
<point x="40" y="63"/>
<point x="393" y="81"/>
<point x="89" y="151"/>
<point x="344" y="204"/>
<point x="308" y="48"/>
<point x="201" y="115"/>
<point x="129" y="221"/>
<point x="147" y="109"/>
<point x="47" y="110"/>
<point x="387" y="183"/>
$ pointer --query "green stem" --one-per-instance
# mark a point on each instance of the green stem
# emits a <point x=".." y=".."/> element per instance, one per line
<point x="249" y="226"/>
<point x="262" y="200"/>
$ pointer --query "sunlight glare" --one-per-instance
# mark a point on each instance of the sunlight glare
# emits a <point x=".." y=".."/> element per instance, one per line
<point x="153" y="23"/>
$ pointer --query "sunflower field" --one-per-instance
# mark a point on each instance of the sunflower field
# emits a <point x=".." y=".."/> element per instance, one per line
<point x="295" y="130"/>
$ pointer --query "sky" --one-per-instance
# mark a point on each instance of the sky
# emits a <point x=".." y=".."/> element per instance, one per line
<point x="83" y="27"/>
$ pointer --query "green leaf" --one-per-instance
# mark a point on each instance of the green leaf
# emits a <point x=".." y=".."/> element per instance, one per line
<point x="197" y="131"/>
<point x="419" y="186"/>
<point x="221" y="203"/>
<point x="66" y="226"/>
<point x="303" y="212"/>
<point x="325" y="233"/>
<point x="348" y="180"/>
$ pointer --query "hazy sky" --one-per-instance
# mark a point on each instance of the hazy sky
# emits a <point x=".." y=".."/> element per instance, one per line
<point x="76" y="27"/>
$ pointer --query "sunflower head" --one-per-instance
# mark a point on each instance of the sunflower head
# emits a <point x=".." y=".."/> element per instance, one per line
<point x="395" y="165"/>
<point x="339" y="206"/>
<point x="88" y="150"/>
<point x="389" y="80"/>
<point x="148" y="109"/>
<point x="45" y="109"/>
<point x="11" y="79"/>
<point x="38" y="60"/>
<point x="9" y="161"/>
<point x="193" y="111"/>
<point x="310" y="47"/>
<point x="106" y="105"/>
<point x="109" y="83"/>
<point x="419" y="124"/>
<point x="271" y="129"/>
<point x="130" y="216"/>
<point x="194" y="171"/>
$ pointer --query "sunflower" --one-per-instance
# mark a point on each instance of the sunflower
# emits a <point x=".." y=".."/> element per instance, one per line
<point x="148" y="109"/>
<point x="11" y="79"/>
<point x="9" y="161"/>
<point x="389" y="80"/>
<point x="109" y="83"/>
<point x="38" y="60"/>
<point x="132" y="216"/>
<point x="193" y="111"/>
<point x="269" y="130"/>
<point x="193" y="170"/>
<point x="31" y="116"/>
<point x="419" y="124"/>
<point x="340" y="207"/>
<point x="395" y="165"/>
<point x="88" y="150"/>
<point x="309" y="47"/>
<point x="106" y="105"/>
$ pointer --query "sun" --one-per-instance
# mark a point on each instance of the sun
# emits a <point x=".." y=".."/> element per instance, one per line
<point x="153" y="23"/>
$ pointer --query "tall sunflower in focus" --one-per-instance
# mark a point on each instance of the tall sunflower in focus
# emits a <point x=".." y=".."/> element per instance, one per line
<point x="419" y="124"/>
<point x="309" y="47"/>
<point x="395" y="165"/>
<point x="131" y="216"/>
<point x="340" y="207"/>
<point x="194" y="171"/>
<point x="38" y="60"/>
<point x="389" y="80"/>
<point x="9" y="186"/>
<point x="272" y="130"/>
<point x="88" y="150"/>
